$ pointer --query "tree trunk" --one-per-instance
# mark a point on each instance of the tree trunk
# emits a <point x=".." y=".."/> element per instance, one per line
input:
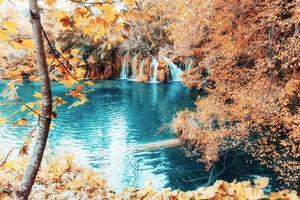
<point x="45" y="118"/>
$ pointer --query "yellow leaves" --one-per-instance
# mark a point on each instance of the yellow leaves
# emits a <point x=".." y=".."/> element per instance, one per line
<point x="1" y="1"/>
<point x="77" y="92"/>
<point x="89" y="83"/>
<point x="11" y="85"/>
<point x="23" y="44"/>
<point x="89" y="28"/>
<point x="261" y="182"/>
<point x="37" y="95"/>
<point x="60" y="14"/>
<point x="80" y="12"/>
<point x="27" y="106"/>
<point x="3" y="36"/>
<point x="78" y="103"/>
<point x="55" y="169"/>
<point x="75" y="184"/>
<point x="285" y="194"/>
<point x="58" y="101"/>
<point x="20" y="122"/>
<point x="10" y="27"/>
<point x="68" y="81"/>
<point x="63" y="18"/>
<point x="2" y="120"/>
<point x="119" y="27"/>
<point x="99" y="34"/>
<point x="109" y="12"/>
<point x="208" y="192"/>
<point x="129" y="2"/>
<point x="75" y="51"/>
<point x="69" y="161"/>
<point x="4" y="196"/>
<point x="50" y="2"/>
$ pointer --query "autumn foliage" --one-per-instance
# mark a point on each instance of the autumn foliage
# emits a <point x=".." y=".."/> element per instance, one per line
<point x="62" y="178"/>
<point x="246" y="67"/>
<point x="247" y="56"/>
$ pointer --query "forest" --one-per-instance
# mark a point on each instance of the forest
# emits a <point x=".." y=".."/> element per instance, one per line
<point x="150" y="99"/>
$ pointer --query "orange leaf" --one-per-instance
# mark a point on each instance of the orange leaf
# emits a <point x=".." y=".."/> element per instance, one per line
<point x="10" y="26"/>
<point x="2" y="120"/>
<point x="37" y="95"/>
<point x="23" y="44"/>
<point x="65" y="21"/>
<point x="20" y="122"/>
<point x="129" y="2"/>
<point x="68" y="82"/>
<point x="50" y="2"/>
<point x="3" y="36"/>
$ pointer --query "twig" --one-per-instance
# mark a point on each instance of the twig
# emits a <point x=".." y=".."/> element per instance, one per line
<point x="6" y="157"/>
<point x="54" y="51"/>
<point x="89" y="3"/>
<point x="23" y="103"/>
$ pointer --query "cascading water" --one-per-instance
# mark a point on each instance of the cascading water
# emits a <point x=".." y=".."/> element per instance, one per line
<point x="189" y="64"/>
<point x="154" y="66"/>
<point x="175" y="71"/>
<point x="124" y="71"/>
<point x="141" y="68"/>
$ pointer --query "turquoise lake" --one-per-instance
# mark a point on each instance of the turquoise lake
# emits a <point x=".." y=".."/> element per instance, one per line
<point x="119" y="116"/>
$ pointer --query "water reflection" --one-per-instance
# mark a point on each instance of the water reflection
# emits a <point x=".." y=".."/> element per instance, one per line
<point x="119" y="115"/>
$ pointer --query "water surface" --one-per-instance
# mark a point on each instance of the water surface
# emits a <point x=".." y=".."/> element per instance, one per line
<point x="118" y="116"/>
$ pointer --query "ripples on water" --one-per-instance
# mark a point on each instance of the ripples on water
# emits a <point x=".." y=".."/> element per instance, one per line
<point x="118" y="116"/>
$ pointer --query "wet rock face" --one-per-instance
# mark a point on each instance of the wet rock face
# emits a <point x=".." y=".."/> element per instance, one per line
<point x="143" y="78"/>
<point x="116" y="67"/>
<point x="108" y="71"/>
<point x="162" y="72"/>
<point x="98" y="73"/>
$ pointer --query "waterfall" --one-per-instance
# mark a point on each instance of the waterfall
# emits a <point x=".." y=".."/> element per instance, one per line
<point x="141" y="68"/>
<point x="175" y="71"/>
<point x="189" y="64"/>
<point x="154" y="66"/>
<point x="124" y="71"/>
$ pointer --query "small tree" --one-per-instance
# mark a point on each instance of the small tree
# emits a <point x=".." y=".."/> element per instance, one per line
<point x="45" y="117"/>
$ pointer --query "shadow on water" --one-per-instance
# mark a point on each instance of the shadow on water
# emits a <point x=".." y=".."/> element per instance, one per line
<point x="119" y="116"/>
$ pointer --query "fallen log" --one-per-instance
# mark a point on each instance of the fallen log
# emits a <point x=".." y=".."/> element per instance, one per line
<point x="158" y="145"/>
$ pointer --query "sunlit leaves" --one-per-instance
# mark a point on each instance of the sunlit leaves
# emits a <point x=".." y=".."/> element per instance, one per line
<point x="1" y="1"/>
<point x="261" y="182"/>
<point x="89" y="83"/>
<point x="3" y="36"/>
<point x="37" y="95"/>
<point x="27" y="106"/>
<point x="58" y="101"/>
<point x="7" y="28"/>
<point x="63" y="18"/>
<point x="65" y="21"/>
<point x="109" y="12"/>
<point x="50" y="2"/>
<point x="78" y="102"/>
<point x="129" y="2"/>
<point x="68" y="81"/>
<point x="10" y="27"/>
<point x="2" y="120"/>
<point x="21" y="122"/>
<point x="23" y="44"/>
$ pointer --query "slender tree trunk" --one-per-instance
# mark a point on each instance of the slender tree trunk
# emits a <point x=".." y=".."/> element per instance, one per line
<point x="45" y="118"/>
